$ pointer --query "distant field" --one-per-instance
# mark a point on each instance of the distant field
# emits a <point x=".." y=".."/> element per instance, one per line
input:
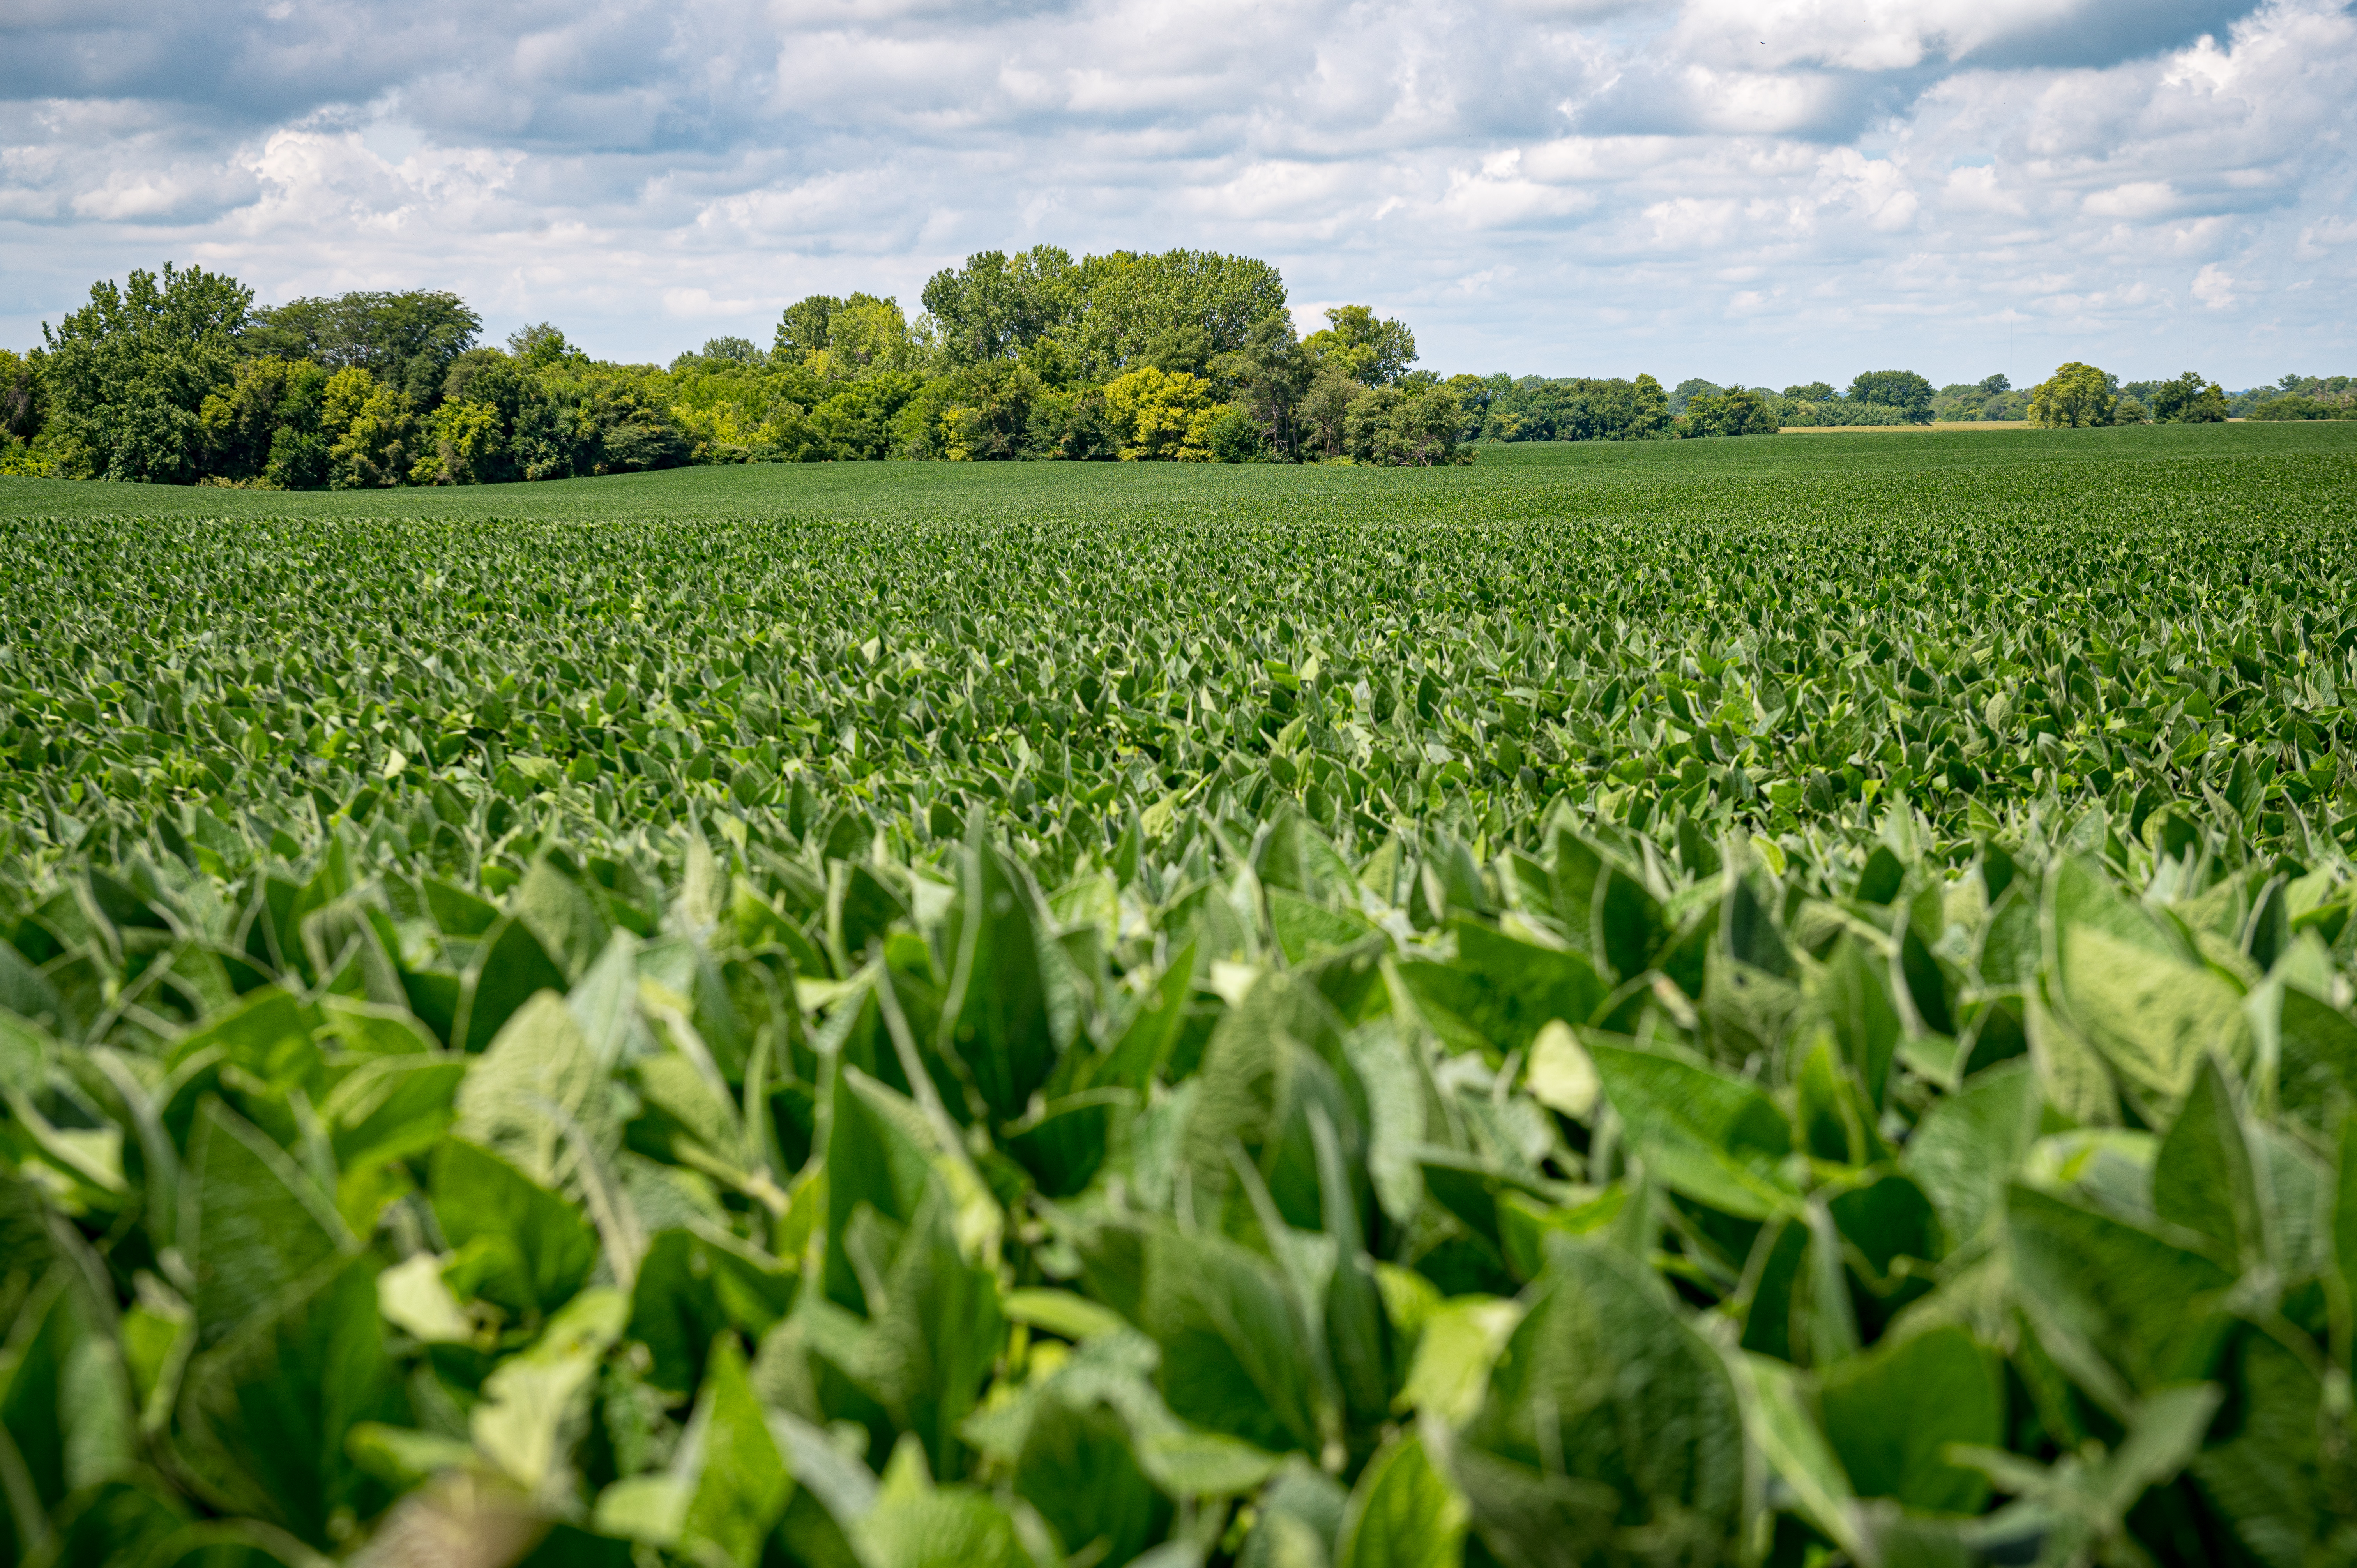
<point x="928" y="1016"/>
<point x="1845" y="468"/>
<point x="1937" y="424"/>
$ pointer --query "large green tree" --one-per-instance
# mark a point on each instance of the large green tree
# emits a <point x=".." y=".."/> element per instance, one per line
<point x="2188" y="400"/>
<point x="1372" y="350"/>
<point x="1095" y="319"/>
<point x="1741" y="412"/>
<point x="23" y="401"/>
<point x="997" y="304"/>
<point x="1133" y="309"/>
<point x="268" y="424"/>
<point x="1901" y="390"/>
<point x="1267" y="377"/>
<point x="803" y="328"/>
<point x="2076" y="395"/>
<point x="406" y="340"/>
<point x="130" y="372"/>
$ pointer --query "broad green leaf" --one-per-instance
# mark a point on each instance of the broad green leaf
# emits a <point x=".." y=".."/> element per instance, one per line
<point x="457" y="911"/>
<point x="694" y="1283"/>
<point x="880" y="1155"/>
<point x="916" y="1524"/>
<point x="65" y="1400"/>
<point x="1237" y="1357"/>
<point x="1064" y="1146"/>
<point x="537" y="1096"/>
<point x="510" y="969"/>
<point x="740" y="1486"/>
<point x="1718" y="1140"/>
<point x="536" y="1403"/>
<point x="1777" y="1416"/>
<point x="520" y="1244"/>
<point x="2122" y="1309"/>
<point x="2133" y="990"/>
<point x="1855" y="993"/>
<point x="1403" y="1513"/>
<point x="1969" y="1146"/>
<point x="1562" y="1075"/>
<point x="268" y="1034"/>
<point x="1890" y="1413"/>
<point x="1007" y="1014"/>
<point x="1296" y="1519"/>
<point x="414" y="1298"/>
<point x="391" y="1108"/>
<point x="2316" y="1053"/>
<point x="1078" y="1468"/>
<point x="1455" y="1347"/>
<point x="553" y="908"/>
<point x="253" y="1223"/>
<point x="2270" y="1477"/>
<point x="1499" y="992"/>
<point x="1604" y="1411"/>
<point x="263" y="1414"/>
<point x="2204" y="1179"/>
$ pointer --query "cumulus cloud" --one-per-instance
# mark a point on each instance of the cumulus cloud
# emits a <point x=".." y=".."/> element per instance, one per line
<point x="1763" y="190"/>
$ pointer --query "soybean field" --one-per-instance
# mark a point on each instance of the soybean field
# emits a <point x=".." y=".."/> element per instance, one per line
<point x="1777" y="1001"/>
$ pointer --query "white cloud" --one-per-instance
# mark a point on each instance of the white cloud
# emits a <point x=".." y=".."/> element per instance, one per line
<point x="1567" y="186"/>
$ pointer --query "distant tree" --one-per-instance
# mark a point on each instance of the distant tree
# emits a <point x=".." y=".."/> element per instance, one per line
<point x="1124" y="304"/>
<point x="856" y="421"/>
<point x="1235" y="437"/>
<point x="1693" y="387"/>
<point x="1162" y="414"/>
<point x="1737" y="412"/>
<point x="265" y="424"/>
<point x="1185" y="348"/>
<point x="869" y="337"/>
<point x="1993" y="385"/>
<point x="539" y="345"/>
<point x="1577" y="408"/>
<point x="732" y="350"/>
<point x="1901" y="390"/>
<point x="802" y="329"/>
<point x="997" y="303"/>
<point x="369" y="428"/>
<point x="128" y="373"/>
<point x="1403" y="424"/>
<point x="1475" y="394"/>
<point x="471" y="439"/>
<point x="24" y="403"/>
<point x="1074" y="426"/>
<point x="1372" y="352"/>
<point x="2076" y="396"/>
<point x="1812" y="392"/>
<point x="1325" y="410"/>
<point x="405" y="341"/>
<point x="2187" y="400"/>
<point x="1649" y="410"/>
<point x="2294" y="406"/>
<point x="1267" y="377"/>
<point x="978" y="413"/>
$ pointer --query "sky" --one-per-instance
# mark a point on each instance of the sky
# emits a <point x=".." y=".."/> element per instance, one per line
<point x="1767" y="192"/>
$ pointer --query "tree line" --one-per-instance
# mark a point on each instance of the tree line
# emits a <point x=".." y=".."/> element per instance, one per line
<point x="177" y="377"/>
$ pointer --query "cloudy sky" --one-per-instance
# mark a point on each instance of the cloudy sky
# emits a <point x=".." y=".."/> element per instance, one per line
<point x="1773" y="191"/>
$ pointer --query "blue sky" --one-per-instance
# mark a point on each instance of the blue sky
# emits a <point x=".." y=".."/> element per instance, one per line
<point x="1771" y="191"/>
